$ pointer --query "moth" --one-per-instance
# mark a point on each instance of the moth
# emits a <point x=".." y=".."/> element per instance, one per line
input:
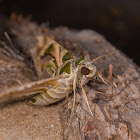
<point x="67" y="73"/>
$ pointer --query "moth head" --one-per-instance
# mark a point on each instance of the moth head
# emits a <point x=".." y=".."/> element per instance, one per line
<point x="87" y="69"/>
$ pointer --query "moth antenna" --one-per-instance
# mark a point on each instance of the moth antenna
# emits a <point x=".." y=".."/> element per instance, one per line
<point x="101" y="77"/>
<point x="101" y="57"/>
<point x="74" y="88"/>
<point x="86" y="99"/>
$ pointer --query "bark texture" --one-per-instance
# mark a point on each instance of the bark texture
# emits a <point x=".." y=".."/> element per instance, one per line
<point x="116" y="114"/>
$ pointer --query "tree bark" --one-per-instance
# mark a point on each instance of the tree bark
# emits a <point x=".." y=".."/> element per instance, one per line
<point x="116" y="111"/>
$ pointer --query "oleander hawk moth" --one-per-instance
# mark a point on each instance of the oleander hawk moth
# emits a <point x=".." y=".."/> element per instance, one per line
<point x="67" y="73"/>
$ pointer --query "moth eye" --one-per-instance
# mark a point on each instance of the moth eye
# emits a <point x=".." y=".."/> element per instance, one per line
<point x="85" y="71"/>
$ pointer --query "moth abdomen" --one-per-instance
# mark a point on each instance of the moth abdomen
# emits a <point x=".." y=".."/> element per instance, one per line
<point x="49" y="96"/>
<point x="55" y="93"/>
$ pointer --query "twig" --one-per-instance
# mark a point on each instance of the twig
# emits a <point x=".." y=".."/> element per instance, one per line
<point x="110" y="76"/>
<point x="10" y="41"/>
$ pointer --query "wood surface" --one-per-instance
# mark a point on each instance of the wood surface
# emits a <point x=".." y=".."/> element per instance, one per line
<point x="116" y="112"/>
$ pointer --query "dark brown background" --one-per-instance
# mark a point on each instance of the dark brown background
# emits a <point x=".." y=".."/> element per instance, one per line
<point x="118" y="21"/>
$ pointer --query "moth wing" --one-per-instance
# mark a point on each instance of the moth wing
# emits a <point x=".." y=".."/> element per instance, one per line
<point x="46" y="45"/>
<point x="27" y="90"/>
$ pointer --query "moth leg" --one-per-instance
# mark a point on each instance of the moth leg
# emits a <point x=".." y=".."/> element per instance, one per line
<point x="74" y="89"/>
<point x="86" y="99"/>
<point x="67" y="97"/>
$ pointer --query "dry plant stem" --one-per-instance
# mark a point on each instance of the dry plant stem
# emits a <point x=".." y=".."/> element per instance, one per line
<point x="103" y="94"/>
<point x="10" y="41"/>
<point x="4" y="52"/>
<point x="110" y="77"/>
<point x="130" y="136"/>
<point x="9" y="50"/>
<point x="101" y="77"/>
<point x="110" y="73"/>
<point x="13" y="51"/>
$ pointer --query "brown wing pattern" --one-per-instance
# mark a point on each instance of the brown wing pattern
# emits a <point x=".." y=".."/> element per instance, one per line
<point x="27" y="90"/>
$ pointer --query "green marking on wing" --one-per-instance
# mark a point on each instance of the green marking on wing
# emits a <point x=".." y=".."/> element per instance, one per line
<point x="67" y="56"/>
<point x="33" y="100"/>
<point x="66" y="68"/>
<point x="78" y="61"/>
<point x="50" y="67"/>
